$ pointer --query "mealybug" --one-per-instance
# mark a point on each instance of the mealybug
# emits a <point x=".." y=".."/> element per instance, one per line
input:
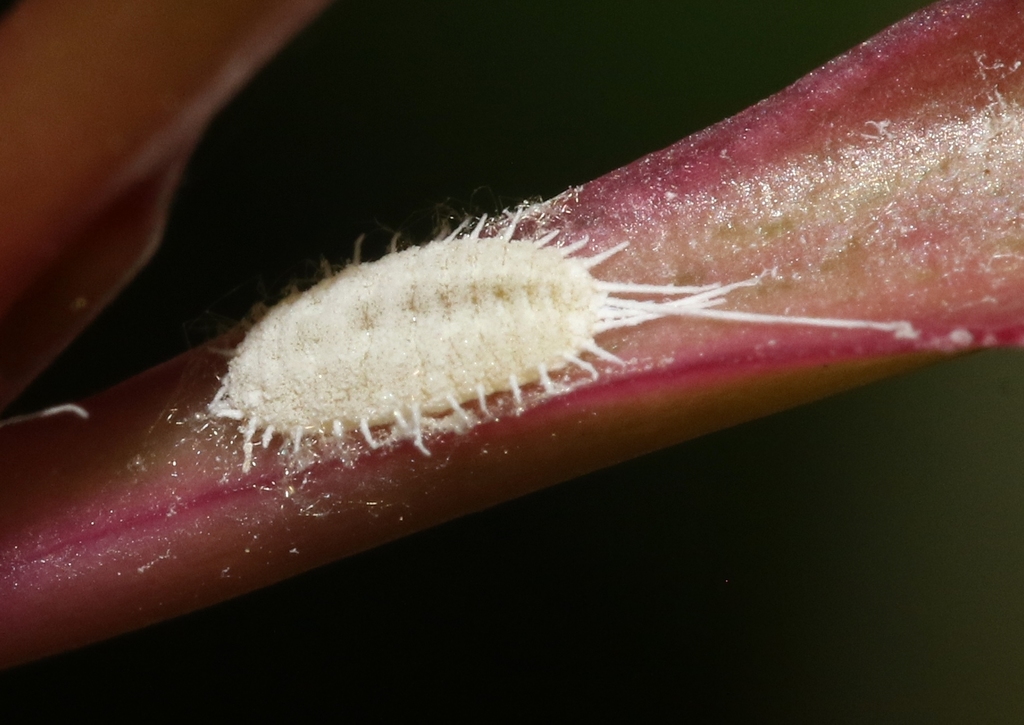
<point x="432" y="331"/>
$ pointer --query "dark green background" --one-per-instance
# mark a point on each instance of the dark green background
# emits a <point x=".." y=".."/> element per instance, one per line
<point x="857" y="560"/>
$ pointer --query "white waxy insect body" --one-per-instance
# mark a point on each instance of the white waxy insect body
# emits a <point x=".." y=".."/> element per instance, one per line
<point x="424" y="331"/>
<point x="377" y="338"/>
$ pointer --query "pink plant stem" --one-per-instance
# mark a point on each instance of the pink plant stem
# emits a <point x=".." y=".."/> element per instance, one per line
<point x="885" y="186"/>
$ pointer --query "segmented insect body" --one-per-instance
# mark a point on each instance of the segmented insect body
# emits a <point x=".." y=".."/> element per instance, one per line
<point x="422" y="332"/>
